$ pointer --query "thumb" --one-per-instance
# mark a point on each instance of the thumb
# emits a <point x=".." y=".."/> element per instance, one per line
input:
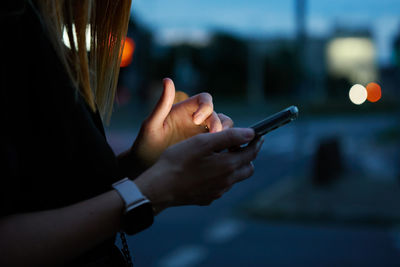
<point x="164" y="104"/>
<point x="226" y="139"/>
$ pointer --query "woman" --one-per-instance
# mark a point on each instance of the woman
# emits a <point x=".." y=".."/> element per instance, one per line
<point x="63" y="197"/>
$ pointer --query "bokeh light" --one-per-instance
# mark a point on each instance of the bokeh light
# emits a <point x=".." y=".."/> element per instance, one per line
<point x="127" y="53"/>
<point x="374" y="92"/>
<point x="180" y="96"/>
<point x="358" y="94"/>
<point x="352" y="58"/>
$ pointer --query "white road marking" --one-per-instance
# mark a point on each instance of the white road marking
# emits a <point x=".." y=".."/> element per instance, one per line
<point x="186" y="256"/>
<point x="223" y="231"/>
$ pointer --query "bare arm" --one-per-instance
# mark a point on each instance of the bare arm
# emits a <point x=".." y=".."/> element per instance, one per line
<point x="55" y="236"/>
<point x="194" y="172"/>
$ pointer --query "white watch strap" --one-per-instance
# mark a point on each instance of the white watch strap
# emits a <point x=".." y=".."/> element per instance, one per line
<point x="130" y="194"/>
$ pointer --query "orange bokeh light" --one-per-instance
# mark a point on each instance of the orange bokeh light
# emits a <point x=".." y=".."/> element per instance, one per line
<point x="374" y="92"/>
<point x="127" y="53"/>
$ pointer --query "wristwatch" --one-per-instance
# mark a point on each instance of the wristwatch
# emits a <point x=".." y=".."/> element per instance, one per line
<point x="138" y="213"/>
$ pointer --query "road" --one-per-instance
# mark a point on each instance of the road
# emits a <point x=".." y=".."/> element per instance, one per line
<point x="218" y="236"/>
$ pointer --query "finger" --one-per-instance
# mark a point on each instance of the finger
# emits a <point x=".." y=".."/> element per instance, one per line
<point x="250" y="152"/>
<point x="213" y="142"/>
<point x="256" y="141"/>
<point x="239" y="148"/>
<point x="242" y="173"/>
<point x="226" y="121"/>
<point x="214" y="123"/>
<point x="243" y="155"/>
<point x="205" y="108"/>
<point x="164" y="104"/>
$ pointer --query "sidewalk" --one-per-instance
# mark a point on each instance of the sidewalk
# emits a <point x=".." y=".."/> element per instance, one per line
<point x="353" y="199"/>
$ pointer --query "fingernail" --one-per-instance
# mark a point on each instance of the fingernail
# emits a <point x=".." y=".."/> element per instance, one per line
<point x="198" y="118"/>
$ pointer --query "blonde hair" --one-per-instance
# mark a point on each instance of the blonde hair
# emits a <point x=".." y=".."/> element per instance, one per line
<point x="95" y="72"/>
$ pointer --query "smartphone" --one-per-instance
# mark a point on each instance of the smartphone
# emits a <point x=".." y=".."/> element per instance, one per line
<point x="275" y="121"/>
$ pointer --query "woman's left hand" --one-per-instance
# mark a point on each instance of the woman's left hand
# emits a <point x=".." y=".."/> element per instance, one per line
<point x="171" y="123"/>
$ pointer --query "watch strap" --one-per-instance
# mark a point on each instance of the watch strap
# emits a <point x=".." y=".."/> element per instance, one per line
<point x="129" y="193"/>
<point x="138" y="212"/>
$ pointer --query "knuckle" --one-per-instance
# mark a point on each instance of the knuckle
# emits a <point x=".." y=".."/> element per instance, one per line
<point x="250" y="169"/>
<point x="246" y="173"/>
<point x="225" y="118"/>
<point x="215" y="116"/>
<point x="230" y="135"/>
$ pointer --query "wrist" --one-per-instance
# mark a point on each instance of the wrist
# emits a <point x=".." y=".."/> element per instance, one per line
<point x="137" y="213"/>
<point x="155" y="192"/>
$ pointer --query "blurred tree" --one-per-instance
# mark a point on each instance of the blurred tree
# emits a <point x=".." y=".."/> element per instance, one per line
<point x="178" y="62"/>
<point x="224" y="66"/>
<point x="338" y="88"/>
<point x="282" y="71"/>
<point x="162" y="63"/>
<point x="219" y="68"/>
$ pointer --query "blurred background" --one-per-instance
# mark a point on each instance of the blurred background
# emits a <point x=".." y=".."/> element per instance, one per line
<point x="326" y="190"/>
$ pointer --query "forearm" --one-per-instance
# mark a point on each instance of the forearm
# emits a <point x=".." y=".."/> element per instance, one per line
<point x="56" y="236"/>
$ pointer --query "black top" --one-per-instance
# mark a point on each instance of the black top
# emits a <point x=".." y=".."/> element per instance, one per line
<point x="53" y="148"/>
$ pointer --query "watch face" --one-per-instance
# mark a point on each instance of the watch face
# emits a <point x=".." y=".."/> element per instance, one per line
<point x="138" y="219"/>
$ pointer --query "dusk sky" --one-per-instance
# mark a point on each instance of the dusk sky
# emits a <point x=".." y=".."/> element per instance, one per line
<point x="195" y="19"/>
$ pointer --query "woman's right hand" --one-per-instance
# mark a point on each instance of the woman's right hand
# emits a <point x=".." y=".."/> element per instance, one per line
<point x="200" y="169"/>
